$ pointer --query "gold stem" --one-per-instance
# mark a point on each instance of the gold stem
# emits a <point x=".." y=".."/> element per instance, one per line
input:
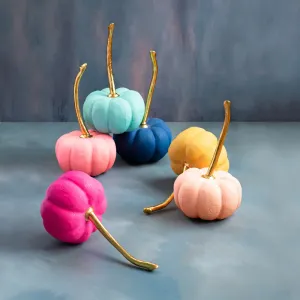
<point x="214" y="161"/>
<point x="112" y="89"/>
<point x="151" y="209"/>
<point x="84" y="131"/>
<point x="90" y="215"/>
<point x="151" y="88"/>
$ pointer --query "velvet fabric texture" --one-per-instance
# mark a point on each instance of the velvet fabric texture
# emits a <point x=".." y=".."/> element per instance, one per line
<point x="93" y="156"/>
<point x="207" y="199"/>
<point x="66" y="202"/>
<point x="144" y="145"/>
<point x="114" y="115"/>
<point x="195" y="146"/>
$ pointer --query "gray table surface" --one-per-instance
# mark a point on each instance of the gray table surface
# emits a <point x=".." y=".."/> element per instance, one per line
<point x="253" y="255"/>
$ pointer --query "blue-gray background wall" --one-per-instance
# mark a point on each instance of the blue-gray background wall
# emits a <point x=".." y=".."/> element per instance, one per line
<point x="247" y="51"/>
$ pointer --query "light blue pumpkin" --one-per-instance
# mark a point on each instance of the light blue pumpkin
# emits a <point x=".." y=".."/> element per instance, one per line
<point x="114" y="115"/>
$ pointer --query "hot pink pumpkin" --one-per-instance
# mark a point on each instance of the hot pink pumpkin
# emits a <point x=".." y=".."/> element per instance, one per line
<point x="204" y="198"/>
<point x="203" y="193"/>
<point x="72" y="210"/>
<point x="88" y="151"/>
<point x="66" y="202"/>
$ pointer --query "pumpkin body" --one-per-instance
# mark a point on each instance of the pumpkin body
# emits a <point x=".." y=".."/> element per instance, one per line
<point x="66" y="202"/>
<point x="114" y="115"/>
<point x="144" y="145"/>
<point x="93" y="156"/>
<point x="207" y="199"/>
<point x="195" y="146"/>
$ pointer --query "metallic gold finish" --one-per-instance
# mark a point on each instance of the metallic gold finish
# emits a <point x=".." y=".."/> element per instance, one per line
<point x="185" y="167"/>
<point x="214" y="161"/>
<point x="151" y="88"/>
<point x="151" y="209"/>
<point x="90" y="215"/>
<point x="110" y="75"/>
<point x="84" y="131"/>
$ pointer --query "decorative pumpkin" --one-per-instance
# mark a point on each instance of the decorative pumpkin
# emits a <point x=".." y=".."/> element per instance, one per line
<point x="72" y="210"/>
<point x="88" y="151"/>
<point x="203" y="193"/>
<point x="150" y="142"/>
<point x="113" y="110"/>
<point x="195" y="146"/>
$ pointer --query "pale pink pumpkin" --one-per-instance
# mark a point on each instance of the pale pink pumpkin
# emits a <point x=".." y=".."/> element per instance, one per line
<point x="72" y="210"/>
<point x="88" y="151"/>
<point x="205" y="193"/>
<point x="93" y="156"/>
<point x="207" y="198"/>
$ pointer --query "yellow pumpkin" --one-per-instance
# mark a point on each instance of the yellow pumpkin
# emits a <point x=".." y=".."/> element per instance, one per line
<point x="195" y="146"/>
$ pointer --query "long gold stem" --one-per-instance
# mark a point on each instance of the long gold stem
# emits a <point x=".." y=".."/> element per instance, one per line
<point x="84" y="131"/>
<point x="112" y="89"/>
<point x="216" y="156"/>
<point x="151" y="209"/>
<point x="151" y="88"/>
<point x="90" y="215"/>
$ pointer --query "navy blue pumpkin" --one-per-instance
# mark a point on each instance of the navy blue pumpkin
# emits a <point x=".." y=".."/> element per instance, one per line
<point x="146" y="144"/>
<point x="150" y="142"/>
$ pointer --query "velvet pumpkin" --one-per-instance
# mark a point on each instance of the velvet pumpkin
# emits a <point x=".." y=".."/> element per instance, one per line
<point x="195" y="146"/>
<point x="72" y="210"/>
<point x="150" y="142"/>
<point x="113" y="110"/>
<point x="208" y="199"/>
<point x="89" y="151"/>
<point x="206" y="193"/>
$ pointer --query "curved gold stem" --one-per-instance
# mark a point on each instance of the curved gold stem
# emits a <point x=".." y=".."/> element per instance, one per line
<point x="90" y="215"/>
<point x="112" y="89"/>
<point x="151" y="209"/>
<point x="151" y="88"/>
<point x="216" y="156"/>
<point x="84" y="131"/>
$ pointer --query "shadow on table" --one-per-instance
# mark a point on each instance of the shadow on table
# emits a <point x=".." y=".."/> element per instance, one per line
<point x="38" y="295"/>
<point x="122" y="261"/>
<point x="37" y="242"/>
<point x="172" y="217"/>
<point x="164" y="185"/>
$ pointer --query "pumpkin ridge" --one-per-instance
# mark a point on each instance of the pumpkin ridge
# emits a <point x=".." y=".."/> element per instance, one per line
<point x="136" y="135"/>
<point x="90" y="165"/>
<point x="91" y="113"/>
<point x="198" y="201"/>
<point x="93" y="155"/>
<point x="50" y="199"/>
<point x="70" y="230"/>
<point x="186" y="145"/>
<point x="124" y="112"/>
<point x="156" y="141"/>
<point x="53" y="203"/>
<point x="88" y="198"/>
<point x="70" y="152"/>
<point x="180" y="201"/>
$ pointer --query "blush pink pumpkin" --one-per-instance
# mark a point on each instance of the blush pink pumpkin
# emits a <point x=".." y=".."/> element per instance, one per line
<point x="88" y="151"/>
<point x="203" y="193"/>
<point x="72" y="210"/>
<point x="205" y="198"/>
<point x="93" y="156"/>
